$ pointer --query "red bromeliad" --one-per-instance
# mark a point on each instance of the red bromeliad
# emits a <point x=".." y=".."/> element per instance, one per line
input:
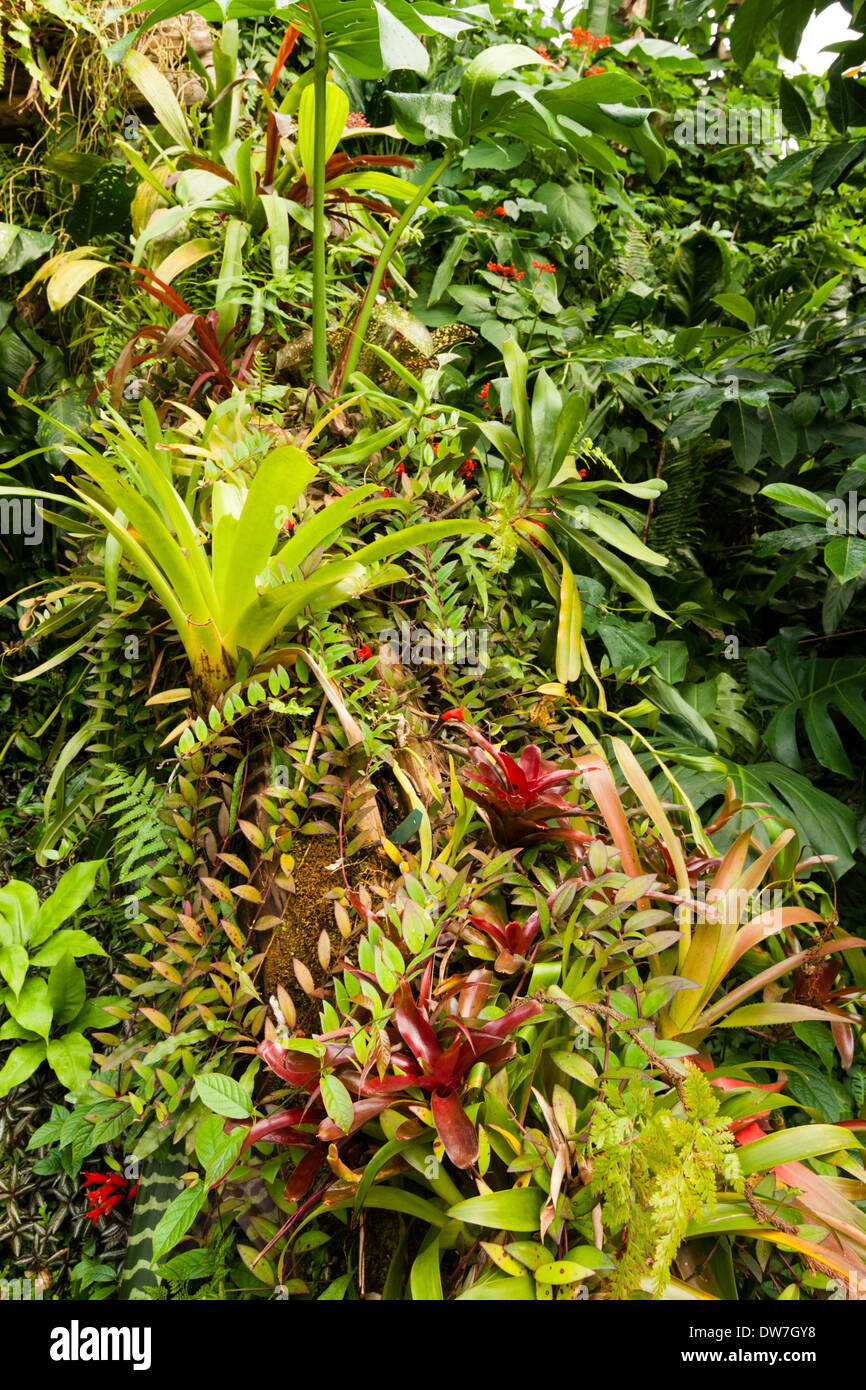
<point x="521" y="799"/>
<point x="443" y="1047"/>
<point x="442" y="1070"/>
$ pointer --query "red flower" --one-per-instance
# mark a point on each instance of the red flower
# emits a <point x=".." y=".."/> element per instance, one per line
<point x="581" y="472"/>
<point x="459" y="713"/>
<point x="385" y="492"/>
<point x="508" y="272"/>
<point x="363" y="652"/>
<point x="480" y="213"/>
<point x="401" y="469"/>
<point x="484" y="393"/>
<point x="547" y="267"/>
<point x="356" y="120"/>
<point x="108" y="1190"/>
<point x="468" y="467"/>
<point x="520" y="797"/>
<point x="500" y="212"/>
<point x="288" y="526"/>
<point x="593" y="72"/>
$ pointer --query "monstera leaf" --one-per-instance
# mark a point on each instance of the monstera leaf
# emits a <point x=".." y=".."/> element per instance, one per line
<point x="823" y="824"/>
<point x="808" y="688"/>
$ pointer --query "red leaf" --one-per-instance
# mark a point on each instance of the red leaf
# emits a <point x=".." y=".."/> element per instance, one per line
<point x="454" y="1128"/>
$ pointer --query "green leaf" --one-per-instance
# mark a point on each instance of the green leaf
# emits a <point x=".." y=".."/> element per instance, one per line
<point x="845" y="557"/>
<point x="670" y="57"/>
<point x="73" y="890"/>
<point x="176" y="1221"/>
<point x="21" y="1063"/>
<point x="215" y="1150"/>
<point x="223" y="1095"/>
<point x="399" y="47"/>
<point x="793" y="1146"/>
<point x="32" y="1008"/>
<point x="481" y="75"/>
<point x="698" y="275"/>
<point x="70" y="940"/>
<point x="66" y="990"/>
<point x="809" y="688"/>
<point x="157" y="92"/>
<point x="790" y="495"/>
<point x="70" y="1058"/>
<point x="795" y="112"/>
<point x="445" y="269"/>
<point x="780" y="435"/>
<point x="425" y="1278"/>
<point x="517" y="1209"/>
<point x="337" y="1102"/>
<point x="738" y="306"/>
<point x="569" y="206"/>
<point x="13" y="966"/>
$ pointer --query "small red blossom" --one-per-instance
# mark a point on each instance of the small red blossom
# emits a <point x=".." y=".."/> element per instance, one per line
<point x="581" y="472"/>
<point x="508" y="272"/>
<point x="468" y="467"/>
<point x="458" y="713"/>
<point x="356" y="120"/>
<point x="547" y="267"/>
<point x="582" y="38"/>
<point x="594" y="72"/>
<point x="108" y="1189"/>
<point x="500" y="212"/>
<point x="480" y="213"/>
<point x="288" y="526"/>
<point x="401" y="469"/>
<point x="363" y="652"/>
<point x="385" y="492"/>
<point x="484" y="393"/>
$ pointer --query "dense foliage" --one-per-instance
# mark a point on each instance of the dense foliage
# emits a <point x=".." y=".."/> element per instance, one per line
<point x="435" y="576"/>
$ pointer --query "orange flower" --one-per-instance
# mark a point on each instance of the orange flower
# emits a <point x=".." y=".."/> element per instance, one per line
<point x="547" y="267"/>
<point x="499" y="212"/>
<point x="479" y="213"/>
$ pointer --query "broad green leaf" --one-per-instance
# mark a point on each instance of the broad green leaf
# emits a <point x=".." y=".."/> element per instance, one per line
<point x="780" y="435"/>
<point x="337" y="1101"/>
<point x="13" y="966"/>
<point x="800" y="686"/>
<point x="425" y="1278"/>
<point x="71" y="893"/>
<point x="32" y="1008"/>
<point x="738" y="306"/>
<point x="68" y="940"/>
<point x="517" y="1209"/>
<point x="793" y="1146"/>
<point x="223" y="1095"/>
<point x="790" y="495"/>
<point x="337" y="109"/>
<point x="176" y="1221"/>
<point x="569" y="206"/>
<point x="215" y="1150"/>
<point x="845" y="557"/>
<point x="67" y="990"/>
<point x="21" y="1063"/>
<point x="399" y="47"/>
<point x="69" y="1058"/>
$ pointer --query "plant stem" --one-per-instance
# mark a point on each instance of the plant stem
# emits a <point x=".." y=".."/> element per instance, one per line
<point x="363" y="321"/>
<point x="320" y="315"/>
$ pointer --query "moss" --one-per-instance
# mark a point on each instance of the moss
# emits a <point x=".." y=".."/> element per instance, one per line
<point x="310" y="911"/>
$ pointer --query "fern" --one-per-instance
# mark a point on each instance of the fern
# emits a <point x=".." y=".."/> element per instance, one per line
<point x="133" y="805"/>
<point x="654" y="1170"/>
<point x="676" y="523"/>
